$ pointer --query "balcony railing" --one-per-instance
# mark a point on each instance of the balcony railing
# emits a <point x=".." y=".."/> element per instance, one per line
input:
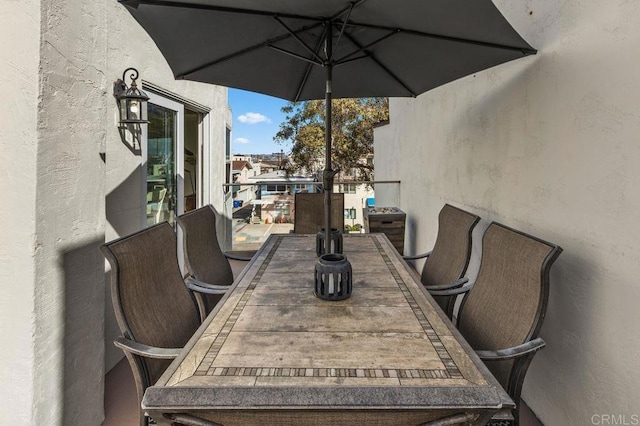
<point x="255" y="211"/>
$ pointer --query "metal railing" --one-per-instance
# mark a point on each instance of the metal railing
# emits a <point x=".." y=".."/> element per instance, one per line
<point x="253" y="211"/>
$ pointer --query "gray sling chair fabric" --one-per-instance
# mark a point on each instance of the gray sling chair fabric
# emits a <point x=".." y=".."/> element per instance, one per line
<point x="155" y="312"/>
<point x="502" y="313"/>
<point x="448" y="261"/>
<point x="207" y="264"/>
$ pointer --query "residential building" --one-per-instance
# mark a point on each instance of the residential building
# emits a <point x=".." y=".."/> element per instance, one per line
<point x="356" y="196"/>
<point x="276" y="195"/>
<point x="242" y="192"/>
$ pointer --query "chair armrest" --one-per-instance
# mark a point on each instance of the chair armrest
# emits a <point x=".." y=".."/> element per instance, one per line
<point x="236" y="257"/>
<point x="417" y="256"/>
<point x="203" y="287"/>
<point x="513" y="352"/>
<point x="456" y="283"/>
<point x="452" y="291"/>
<point x="146" y="350"/>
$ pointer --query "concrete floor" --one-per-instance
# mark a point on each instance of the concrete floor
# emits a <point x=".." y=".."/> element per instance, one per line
<point x="249" y="236"/>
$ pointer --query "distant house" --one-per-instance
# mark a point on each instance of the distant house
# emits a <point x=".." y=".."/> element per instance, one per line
<point x="241" y="171"/>
<point x="278" y="183"/>
<point x="269" y="166"/>
<point x="356" y="195"/>
<point x="276" y="194"/>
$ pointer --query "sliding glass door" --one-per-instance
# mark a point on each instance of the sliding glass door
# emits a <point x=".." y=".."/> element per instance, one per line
<point x="164" y="165"/>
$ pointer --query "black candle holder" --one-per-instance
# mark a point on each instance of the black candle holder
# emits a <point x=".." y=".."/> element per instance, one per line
<point x="333" y="280"/>
<point x="335" y="241"/>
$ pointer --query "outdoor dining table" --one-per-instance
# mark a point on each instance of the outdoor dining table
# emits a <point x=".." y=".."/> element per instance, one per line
<point x="271" y="352"/>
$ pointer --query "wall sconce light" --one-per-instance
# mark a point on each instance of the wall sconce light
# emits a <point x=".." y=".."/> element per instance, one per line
<point x="132" y="102"/>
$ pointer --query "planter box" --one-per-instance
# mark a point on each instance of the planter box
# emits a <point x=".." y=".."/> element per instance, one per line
<point x="387" y="220"/>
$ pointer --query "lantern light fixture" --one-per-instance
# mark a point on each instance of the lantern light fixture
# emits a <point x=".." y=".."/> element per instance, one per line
<point x="132" y="102"/>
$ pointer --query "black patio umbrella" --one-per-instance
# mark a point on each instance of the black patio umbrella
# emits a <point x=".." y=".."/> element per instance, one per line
<point x="313" y="49"/>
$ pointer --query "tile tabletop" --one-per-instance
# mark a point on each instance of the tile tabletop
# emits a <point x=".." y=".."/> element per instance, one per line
<point x="272" y="344"/>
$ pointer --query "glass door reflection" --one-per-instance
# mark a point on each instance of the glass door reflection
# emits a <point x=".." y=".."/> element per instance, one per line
<point x="161" y="165"/>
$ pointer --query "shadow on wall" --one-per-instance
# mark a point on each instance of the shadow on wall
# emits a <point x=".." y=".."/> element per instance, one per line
<point x="572" y="309"/>
<point x="83" y="344"/>
<point x="124" y="204"/>
<point x="410" y="243"/>
<point x="124" y="210"/>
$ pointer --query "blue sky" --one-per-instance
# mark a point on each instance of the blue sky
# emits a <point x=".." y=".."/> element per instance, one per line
<point x="256" y="120"/>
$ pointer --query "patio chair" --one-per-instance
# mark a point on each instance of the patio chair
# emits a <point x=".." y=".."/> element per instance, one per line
<point x="309" y="212"/>
<point x="155" y="312"/>
<point x="502" y="313"/>
<point x="448" y="261"/>
<point x="208" y="266"/>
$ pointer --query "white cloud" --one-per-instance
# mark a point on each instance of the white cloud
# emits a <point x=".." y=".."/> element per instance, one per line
<point x="242" y="140"/>
<point x="253" y="118"/>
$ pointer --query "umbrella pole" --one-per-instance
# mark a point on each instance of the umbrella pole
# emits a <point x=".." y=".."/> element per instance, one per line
<point x="327" y="177"/>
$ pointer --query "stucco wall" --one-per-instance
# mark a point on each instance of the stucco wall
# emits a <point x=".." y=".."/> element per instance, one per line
<point x="52" y="296"/>
<point x="18" y="145"/>
<point x="63" y="174"/>
<point x="69" y="297"/>
<point x="547" y="144"/>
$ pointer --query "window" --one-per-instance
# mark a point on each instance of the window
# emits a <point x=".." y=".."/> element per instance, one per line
<point x="276" y="188"/>
<point x="348" y="188"/>
<point x="350" y="213"/>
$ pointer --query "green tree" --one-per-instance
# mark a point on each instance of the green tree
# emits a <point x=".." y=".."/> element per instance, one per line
<point x="352" y="134"/>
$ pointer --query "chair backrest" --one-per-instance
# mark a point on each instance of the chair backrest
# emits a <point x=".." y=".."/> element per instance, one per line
<point x="309" y="212"/>
<point x="451" y="252"/>
<point x="151" y="302"/>
<point x="203" y="256"/>
<point x="508" y="301"/>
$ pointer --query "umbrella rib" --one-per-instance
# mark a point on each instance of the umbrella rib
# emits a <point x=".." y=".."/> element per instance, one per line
<point x="199" y="6"/>
<point x="343" y="27"/>
<point x="384" y="67"/>
<point x="246" y="50"/>
<point x="348" y="11"/>
<point x="524" y="50"/>
<point x="307" y="72"/>
<point x="363" y="48"/>
<point x="295" y="55"/>
<point x="349" y="8"/>
<point x="357" y="58"/>
<point x="298" y="39"/>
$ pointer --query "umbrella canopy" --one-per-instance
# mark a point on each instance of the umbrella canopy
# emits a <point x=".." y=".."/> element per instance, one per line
<point x="313" y="49"/>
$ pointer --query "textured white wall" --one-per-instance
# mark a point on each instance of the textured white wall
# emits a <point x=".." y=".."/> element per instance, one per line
<point x="58" y="120"/>
<point x="19" y="60"/>
<point x="547" y="144"/>
<point x="69" y="297"/>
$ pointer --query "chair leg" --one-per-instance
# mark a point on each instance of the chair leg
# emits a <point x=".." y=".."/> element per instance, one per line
<point x="140" y="378"/>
